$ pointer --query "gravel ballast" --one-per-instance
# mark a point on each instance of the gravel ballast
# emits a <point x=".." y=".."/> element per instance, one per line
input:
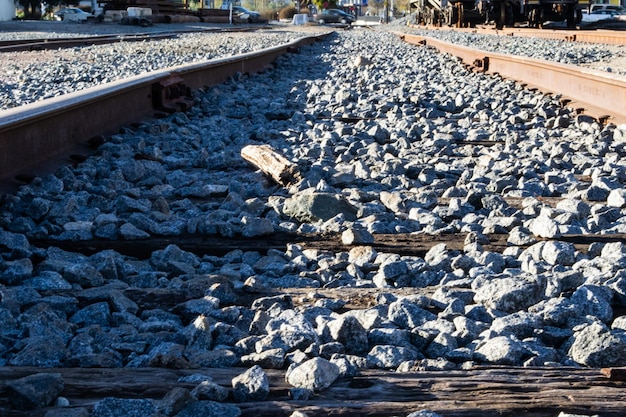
<point x="27" y="77"/>
<point x="376" y="128"/>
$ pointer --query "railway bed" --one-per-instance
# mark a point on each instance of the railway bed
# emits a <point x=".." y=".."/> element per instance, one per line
<point x="180" y="306"/>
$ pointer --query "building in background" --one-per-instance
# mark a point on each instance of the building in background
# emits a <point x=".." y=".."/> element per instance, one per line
<point x="7" y="10"/>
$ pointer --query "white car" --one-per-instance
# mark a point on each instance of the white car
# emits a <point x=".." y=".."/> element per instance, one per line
<point x="72" y="14"/>
<point x="600" y="12"/>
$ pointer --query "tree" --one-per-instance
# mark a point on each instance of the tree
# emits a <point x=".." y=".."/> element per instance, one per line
<point x="32" y="8"/>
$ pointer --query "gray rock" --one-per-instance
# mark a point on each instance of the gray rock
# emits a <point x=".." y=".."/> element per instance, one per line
<point x="348" y="331"/>
<point x="84" y="275"/>
<point x="618" y="285"/>
<point x="172" y="259"/>
<point x="252" y="385"/>
<point x="558" y="253"/>
<point x="16" y="271"/>
<point x="556" y="311"/>
<point x="274" y="264"/>
<point x="129" y="231"/>
<point x="97" y="313"/>
<point x="200" y="306"/>
<point x="48" y="281"/>
<point x="388" y="357"/>
<point x="389" y="336"/>
<point x="264" y="303"/>
<point x="509" y="293"/>
<point x="596" y="346"/>
<point x="357" y="236"/>
<point x="175" y="400"/>
<point x="316" y="374"/>
<point x="441" y="345"/>
<point x="16" y="243"/>
<point x="520" y="324"/>
<point x="520" y="236"/>
<point x="617" y="198"/>
<point x="43" y="351"/>
<point x="271" y="358"/>
<point x="209" y="391"/>
<point x="217" y="358"/>
<point x="328" y="350"/>
<point x="301" y="394"/>
<point x="112" y="296"/>
<point x="362" y="255"/>
<point x="595" y="193"/>
<point x="369" y="318"/>
<point x="619" y="323"/>
<point x="391" y="273"/>
<point x="577" y="207"/>
<point x="298" y="414"/>
<point x="500" y="350"/>
<point x="167" y="354"/>
<point x="593" y="301"/>
<point x="254" y="226"/>
<point x="312" y="206"/>
<point x="34" y="391"/>
<point x="408" y="315"/>
<point x="614" y="252"/>
<point x="438" y="257"/>
<point x="466" y="329"/>
<point x="349" y="365"/>
<point x="544" y="226"/>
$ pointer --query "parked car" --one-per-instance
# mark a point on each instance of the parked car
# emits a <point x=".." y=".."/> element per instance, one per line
<point x="72" y="14"/>
<point x="244" y="14"/>
<point x="613" y="7"/>
<point x="334" y="16"/>
<point x="603" y="14"/>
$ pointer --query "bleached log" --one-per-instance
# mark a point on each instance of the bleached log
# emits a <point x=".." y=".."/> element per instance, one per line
<point x="271" y="163"/>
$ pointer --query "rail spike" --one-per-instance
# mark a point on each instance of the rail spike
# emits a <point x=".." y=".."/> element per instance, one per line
<point x="481" y="64"/>
<point x="171" y="95"/>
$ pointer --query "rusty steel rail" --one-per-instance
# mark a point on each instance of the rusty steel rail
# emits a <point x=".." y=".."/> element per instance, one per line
<point x="609" y="37"/>
<point x="32" y="134"/>
<point x="17" y="45"/>
<point x="596" y="93"/>
<point x="604" y="36"/>
<point x="56" y="43"/>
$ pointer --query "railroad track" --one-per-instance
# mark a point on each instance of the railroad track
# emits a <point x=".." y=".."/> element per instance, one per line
<point x="50" y="130"/>
<point x="598" y="94"/>
<point x="488" y="391"/>
<point x="56" y="43"/>
<point x="78" y="41"/>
